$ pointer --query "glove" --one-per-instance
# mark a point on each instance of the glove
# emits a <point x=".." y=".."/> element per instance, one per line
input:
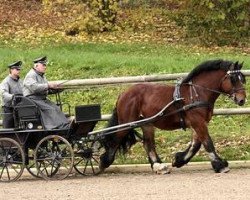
<point x="16" y="98"/>
<point x="54" y="91"/>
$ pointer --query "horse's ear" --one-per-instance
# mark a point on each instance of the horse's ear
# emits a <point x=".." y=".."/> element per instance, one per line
<point x="236" y="65"/>
<point x="240" y="65"/>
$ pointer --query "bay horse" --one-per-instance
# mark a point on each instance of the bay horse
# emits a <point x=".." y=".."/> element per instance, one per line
<point x="200" y="89"/>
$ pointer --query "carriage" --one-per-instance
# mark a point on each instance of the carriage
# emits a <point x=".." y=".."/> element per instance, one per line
<point x="52" y="154"/>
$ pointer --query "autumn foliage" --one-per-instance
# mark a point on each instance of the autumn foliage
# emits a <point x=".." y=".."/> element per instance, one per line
<point x="165" y="21"/>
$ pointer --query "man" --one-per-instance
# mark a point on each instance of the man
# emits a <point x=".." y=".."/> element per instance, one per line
<point x="11" y="86"/>
<point x="36" y="87"/>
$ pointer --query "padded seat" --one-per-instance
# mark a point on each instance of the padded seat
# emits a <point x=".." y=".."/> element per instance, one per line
<point x="27" y="113"/>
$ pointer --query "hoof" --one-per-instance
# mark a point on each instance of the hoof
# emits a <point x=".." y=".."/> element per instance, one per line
<point x="220" y="166"/>
<point x="101" y="170"/>
<point x="179" y="160"/>
<point x="161" y="168"/>
<point x="225" y="170"/>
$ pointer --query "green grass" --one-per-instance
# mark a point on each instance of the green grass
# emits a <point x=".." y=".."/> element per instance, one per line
<point x="90" y="60"/>
<point x="106" y="60"/>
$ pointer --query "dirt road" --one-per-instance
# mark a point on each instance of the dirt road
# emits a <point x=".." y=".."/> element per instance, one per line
<point x="180" y="184"/>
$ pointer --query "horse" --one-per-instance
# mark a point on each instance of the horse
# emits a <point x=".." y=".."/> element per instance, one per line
<point x="193" y="103"/>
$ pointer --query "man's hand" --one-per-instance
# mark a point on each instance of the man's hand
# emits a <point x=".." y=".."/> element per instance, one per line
<point x="54" y="86"/>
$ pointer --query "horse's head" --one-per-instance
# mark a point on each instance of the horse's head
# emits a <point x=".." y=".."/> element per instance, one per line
<point x="233" y="84"/>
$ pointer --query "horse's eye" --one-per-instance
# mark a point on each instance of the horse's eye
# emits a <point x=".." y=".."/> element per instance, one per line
<point x="238" y="77"/>
<point x="233" y="79"/>
<point x="242" y="78"/>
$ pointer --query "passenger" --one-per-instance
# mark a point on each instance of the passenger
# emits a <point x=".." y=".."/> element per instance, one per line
<point x="11" y="86"/>
<point x="36" y="87"/>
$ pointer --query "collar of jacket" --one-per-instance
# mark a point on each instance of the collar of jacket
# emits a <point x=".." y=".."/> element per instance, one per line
<point x="14" y="79"/>
<point x="39" y="73"/>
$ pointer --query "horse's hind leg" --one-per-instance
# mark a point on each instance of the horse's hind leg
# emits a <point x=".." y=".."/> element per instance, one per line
<point x="107" y="158"/>
<point x="149" y="145"/>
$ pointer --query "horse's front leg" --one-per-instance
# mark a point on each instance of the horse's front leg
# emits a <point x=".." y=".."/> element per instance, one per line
<point x="149" y="145"/>
<point x="219" y="165"/>
<point x="182" y="158"/>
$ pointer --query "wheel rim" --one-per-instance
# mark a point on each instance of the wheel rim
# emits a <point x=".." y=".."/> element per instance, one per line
<point x="11" y="160"/>
<point x="87" y="157"/>
<point x="54" y="158"/>
<point x="31" y="166"/>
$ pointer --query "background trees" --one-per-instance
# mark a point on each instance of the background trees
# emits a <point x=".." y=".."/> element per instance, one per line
<point x="209" y="22"/>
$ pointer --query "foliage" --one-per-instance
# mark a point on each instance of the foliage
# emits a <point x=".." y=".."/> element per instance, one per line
<point x="41" y="22"/>
<point x="219" y="22"/>
<point x="166" y="4"/>
<point x="84" y="15"/>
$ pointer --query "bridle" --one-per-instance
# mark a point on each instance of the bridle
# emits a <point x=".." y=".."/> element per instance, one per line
<point x="231" y="94"/>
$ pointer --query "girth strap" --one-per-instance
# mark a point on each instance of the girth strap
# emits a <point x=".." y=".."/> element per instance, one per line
<point x="179" y="104"/>
<point x="196" y="104"/>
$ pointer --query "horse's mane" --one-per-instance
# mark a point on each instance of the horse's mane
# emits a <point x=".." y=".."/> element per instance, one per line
<point x="207" y="66"/>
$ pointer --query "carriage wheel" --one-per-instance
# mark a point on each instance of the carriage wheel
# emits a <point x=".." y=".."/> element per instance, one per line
<point x="87" y="157"/>
<point x="31" y="166"/>
<point x="12" y="160"/>
<point x="54" y="158"/>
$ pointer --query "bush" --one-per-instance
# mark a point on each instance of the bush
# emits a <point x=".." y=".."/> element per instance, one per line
<point x="85" y="15"/>
<point x="220" y="22"/>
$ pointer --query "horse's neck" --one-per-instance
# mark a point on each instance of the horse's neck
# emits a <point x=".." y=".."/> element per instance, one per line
<point x="208" y="86"/>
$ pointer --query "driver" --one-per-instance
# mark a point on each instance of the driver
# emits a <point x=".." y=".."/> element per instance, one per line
<point x="36" y="87"/>
<point x="10" y="86"/>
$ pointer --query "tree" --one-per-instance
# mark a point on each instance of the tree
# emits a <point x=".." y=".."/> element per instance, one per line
<point x="216" y="21"/>
<point x="85" y="15"/>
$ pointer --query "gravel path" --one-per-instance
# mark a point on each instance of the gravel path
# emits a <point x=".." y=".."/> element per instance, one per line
<point x="180" y="184"/>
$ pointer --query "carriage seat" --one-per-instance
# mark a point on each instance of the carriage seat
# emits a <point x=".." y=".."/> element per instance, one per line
<point x="27" y="113"/>
<point x="87" y="117"/>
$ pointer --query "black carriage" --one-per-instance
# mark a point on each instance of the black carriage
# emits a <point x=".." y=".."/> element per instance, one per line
<point x="50" y="154"/>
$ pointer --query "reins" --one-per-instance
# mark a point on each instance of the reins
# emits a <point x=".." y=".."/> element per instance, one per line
<point x="206" y="88"/>
<point x="232" y="92"/>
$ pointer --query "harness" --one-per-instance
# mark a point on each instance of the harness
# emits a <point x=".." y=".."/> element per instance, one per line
<point x="179" y="103"/>
<point x="181" y="108"/>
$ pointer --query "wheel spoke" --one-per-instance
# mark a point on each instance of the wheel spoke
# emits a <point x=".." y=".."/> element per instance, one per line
<point x="85" y="167"/>
<point x="87" y="161"/>
<point x="91" y="164"/>
<point x="79" y="161"/>
<point x="45" y="169"/>
<point x="12" y="163"/>
<point x="56" y="155"/>
<point x="7" y="170"/>
<point x="3" y="170"/>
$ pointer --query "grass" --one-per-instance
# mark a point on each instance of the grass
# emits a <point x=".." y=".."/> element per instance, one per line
<point x="106" y="60"/>
<point x="91" y="60"/>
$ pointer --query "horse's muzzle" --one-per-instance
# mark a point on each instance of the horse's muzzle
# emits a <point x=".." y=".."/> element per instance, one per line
<point x="239" y="101"/>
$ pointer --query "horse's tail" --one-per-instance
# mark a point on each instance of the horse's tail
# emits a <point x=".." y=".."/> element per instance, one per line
<point x="113" y="121"/>
<point x="127" y="141"/>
